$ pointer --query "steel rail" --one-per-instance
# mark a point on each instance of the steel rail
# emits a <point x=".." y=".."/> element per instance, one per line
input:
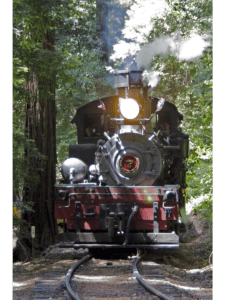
<point x="75" y="296"/>
<point x="146" y="285"/>
<point x="71" y="293"/>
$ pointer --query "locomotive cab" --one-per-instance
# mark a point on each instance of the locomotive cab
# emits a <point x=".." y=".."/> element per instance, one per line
<point x="168" y="119"/>
<point x="124" y="182"/>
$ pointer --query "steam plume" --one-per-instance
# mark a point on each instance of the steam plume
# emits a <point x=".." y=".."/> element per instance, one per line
<point x="184" y="49"/>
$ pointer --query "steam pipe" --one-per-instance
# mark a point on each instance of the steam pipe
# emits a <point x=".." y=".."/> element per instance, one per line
<point x="135" y="209"/>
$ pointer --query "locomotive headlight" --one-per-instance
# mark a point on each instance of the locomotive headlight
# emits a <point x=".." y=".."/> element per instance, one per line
<point x="129" y="108"/>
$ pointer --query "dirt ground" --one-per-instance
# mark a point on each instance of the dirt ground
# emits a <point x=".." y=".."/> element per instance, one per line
<point x="194" y="253"/>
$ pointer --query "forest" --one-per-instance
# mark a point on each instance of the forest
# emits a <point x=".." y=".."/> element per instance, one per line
<point x="64" y="53"/>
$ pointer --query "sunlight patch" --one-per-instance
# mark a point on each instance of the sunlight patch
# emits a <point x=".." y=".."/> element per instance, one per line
<point x="18" y="284"/>
<point x="187" y="288"/>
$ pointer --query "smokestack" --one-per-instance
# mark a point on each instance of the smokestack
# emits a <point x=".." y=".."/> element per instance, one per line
<point x="126" y="79"/>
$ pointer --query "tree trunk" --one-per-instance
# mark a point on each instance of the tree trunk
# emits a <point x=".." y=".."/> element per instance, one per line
<point x="102" y="19"/>
<point x="41" y="128"/>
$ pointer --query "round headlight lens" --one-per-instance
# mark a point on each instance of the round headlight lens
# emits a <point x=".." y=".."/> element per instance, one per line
<point x="129" y="108"/>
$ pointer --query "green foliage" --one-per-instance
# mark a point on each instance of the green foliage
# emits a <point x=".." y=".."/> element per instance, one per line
<point x="199" y="177"/>
<point x="75" y="70"/>
<point x="198" y="124"/>
<point x="82" y="76"/>
<point x="23" y="167"/>
<point x="27" y="57"/>
<point x="193" y="91"/>
<point x="185" y="82"/>
<point x="206" y="208"/>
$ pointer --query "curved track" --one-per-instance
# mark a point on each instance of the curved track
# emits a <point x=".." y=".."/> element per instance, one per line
<point x="71" y="293"/>
<point x="146" y="285"/>
<point x="74" y="296"/>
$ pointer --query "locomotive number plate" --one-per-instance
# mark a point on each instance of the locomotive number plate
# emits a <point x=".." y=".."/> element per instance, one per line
<point x="129" y="163"/>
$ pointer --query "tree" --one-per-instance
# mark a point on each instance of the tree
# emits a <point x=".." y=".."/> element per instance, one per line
<point x="36" y="48"/>
<point x="34" y="52"/>
<point x="102" y="17"/>
<point x="58" y="65"/>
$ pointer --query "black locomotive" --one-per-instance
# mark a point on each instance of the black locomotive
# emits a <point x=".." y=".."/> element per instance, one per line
<point x="124" y="182"/>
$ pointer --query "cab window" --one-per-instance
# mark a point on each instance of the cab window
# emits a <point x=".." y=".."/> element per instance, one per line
<point x="94" y="125"/>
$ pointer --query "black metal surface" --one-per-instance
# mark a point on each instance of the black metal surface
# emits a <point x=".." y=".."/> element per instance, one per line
<point x="110" y="226"/>
<point x="144" y="284"/>
<point x="62" y="194"/>
<point x="90" y="212"/>
<point x="71" y="293"/>
<point x="125" y="78"/>
<point x="134" y="210"/>
<point x="118" y="246"/>
<point x="134" y="238"/>
<point x="85" y="152"/>
<point x="118" y="211"/>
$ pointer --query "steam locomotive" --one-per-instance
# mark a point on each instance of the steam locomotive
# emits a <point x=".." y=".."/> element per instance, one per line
<point x="124" y="183"/>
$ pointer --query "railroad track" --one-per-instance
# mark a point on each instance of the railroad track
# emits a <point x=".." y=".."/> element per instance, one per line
<point x="75" y="296"/>
<point x="46" y="289"/>
<point x="91" y="278"/>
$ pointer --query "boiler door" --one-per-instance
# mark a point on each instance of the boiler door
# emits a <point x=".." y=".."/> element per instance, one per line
<point x="130" y="159"/>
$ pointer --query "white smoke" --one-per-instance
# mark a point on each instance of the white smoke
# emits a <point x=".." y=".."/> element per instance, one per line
<point x="123" y="49"/>
<point x="139" y="24"/>
<point x="163" y="45"/>
<point x="193" y="47"/>
<point x="152" y="78"/>
<point x="184" y="49"/>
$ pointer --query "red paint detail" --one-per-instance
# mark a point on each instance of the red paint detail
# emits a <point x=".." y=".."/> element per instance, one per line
<point x="129" y="162"/>
<point x="90" y="224"/>
<point x="148" y="225"/>
<point x="143" y="219"/>
<point x="71" y="224"/>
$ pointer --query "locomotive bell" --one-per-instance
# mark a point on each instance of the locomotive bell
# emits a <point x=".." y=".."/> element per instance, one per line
<point x="73" y="169"/>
